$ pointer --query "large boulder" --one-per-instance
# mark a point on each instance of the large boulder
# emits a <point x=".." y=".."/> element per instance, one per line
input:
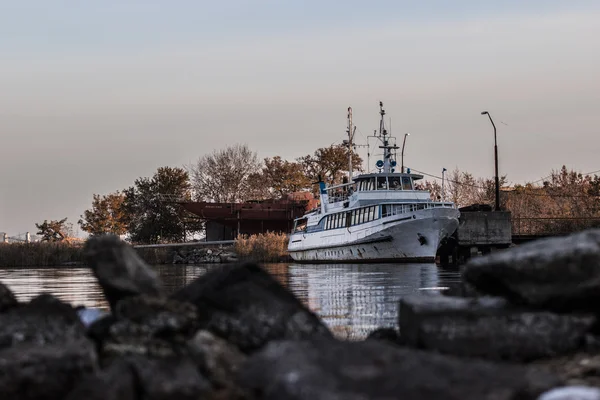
<point x="247" y="307"/>
<point x="322" y="369"/>
<point x="145" y="379"/>
<point x="44" y="320"/>
<point x="44" y="371"/>
<point x="217" y="360"/>
<point x="145" y="325"/>
<point x="489" y="328"/>
<point x="7" y="298"/>
<point x="561" y="273"/>
<point x="120" y="270"/>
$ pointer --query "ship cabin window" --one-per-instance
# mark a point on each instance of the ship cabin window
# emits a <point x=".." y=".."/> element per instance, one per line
<point x="395" y="183"/>
<point x="363" y="215"/>
<point x="407" y="183"/>
<point x="300" y="225"/>
<point x="382" y="183"/>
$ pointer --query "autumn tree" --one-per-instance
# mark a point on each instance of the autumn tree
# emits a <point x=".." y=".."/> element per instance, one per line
<point x="329" y="162"/>
<point x="226" y="175"/>
<point x="284" y="177"/>
<point x="107" y="215"/>
<point x="153" y="215"/>
<point x="52" y="231"/>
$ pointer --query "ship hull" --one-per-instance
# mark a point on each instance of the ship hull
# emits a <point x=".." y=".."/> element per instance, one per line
<point x="401" y="238"/>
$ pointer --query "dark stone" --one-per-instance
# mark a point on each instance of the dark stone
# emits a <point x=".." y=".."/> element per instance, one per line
<point x="7" y="298"/>
<point x="45" y="319"/>
<point x="169" y="378"/>
<point x="390" y="335"/>
<point x="119" y="269"/>
<point x="42" y="372"/>
<point x="488" y="328"/>
<point x="247" y="307"/>
<point x="160" y="317"/>
<point x="328" y="369"/>
<point x="144" y="325"/>
<point x="560" y="274"/>
<point x="117" y="382"/>
<point x="218" y="361"/>
<point x="145" y="379"/>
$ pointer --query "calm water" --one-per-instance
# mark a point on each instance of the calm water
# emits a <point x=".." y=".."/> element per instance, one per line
<point x="351" y="299"/>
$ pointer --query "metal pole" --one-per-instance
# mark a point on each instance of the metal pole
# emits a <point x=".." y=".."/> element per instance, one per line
<point x="443" y="191"/>
<point x="402" y="156"/>
<point x="495" y="161"/>
<point x="350" y="144"/>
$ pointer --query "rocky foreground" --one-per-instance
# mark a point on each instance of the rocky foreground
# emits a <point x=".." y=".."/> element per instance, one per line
<point x="523" y="324"/>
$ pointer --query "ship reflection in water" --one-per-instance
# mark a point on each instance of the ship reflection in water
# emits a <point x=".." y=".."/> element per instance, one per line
<point x="352" y="299"/>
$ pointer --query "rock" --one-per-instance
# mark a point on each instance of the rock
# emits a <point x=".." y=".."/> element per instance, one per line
<point x="119" y="269"/>
<point x="560" y="273"/>
<point x="159" y="316"/>
<point x="116" y="382"/>
<point x="218" y="361"/>
<point x="334" y="370"/>
<point x="486" y="327"/>
<point x="246" y="306"/>
<point x="572" y="393"/>
<point x="145" y="379"/>
<point x="581" y="368"/>
<point x="7" y="298"/>
<point x="169" y="378"/>
<point x="43" y="320"/>
<point x="146" y="326"/>
<point x="387" y="334"/>
<point x="177" y="259"/>
<point x="49" y="371"/>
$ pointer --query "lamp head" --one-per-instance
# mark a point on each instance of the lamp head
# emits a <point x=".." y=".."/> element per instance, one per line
<point x="484" y="112"/>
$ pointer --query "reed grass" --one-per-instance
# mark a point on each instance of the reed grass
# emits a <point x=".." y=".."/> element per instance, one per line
<point x="40" y="254"/>
<point x="266" y="247"/>
<point x="57" y="254"/>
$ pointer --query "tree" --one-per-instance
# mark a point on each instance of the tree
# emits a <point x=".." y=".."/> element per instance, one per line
<point x="329" y="162"/>
<point x="226" y="176"/>
<point x="154" y="215"/>
<point x="52" y="231"/>
<point x="107" y="215"/>
<point x="284" y="177"/>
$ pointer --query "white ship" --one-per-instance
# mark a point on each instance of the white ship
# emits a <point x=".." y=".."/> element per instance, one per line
<point x="375" y="217"/>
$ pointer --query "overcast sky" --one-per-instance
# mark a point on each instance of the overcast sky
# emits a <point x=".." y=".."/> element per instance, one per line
<point x="96" y="94"/>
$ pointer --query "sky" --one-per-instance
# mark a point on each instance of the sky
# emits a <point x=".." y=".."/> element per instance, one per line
<point x="96" y="94"/>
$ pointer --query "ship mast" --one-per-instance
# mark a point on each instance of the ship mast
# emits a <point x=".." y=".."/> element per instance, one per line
<point x="387" y="154"/>
<point x="350" y="131"/>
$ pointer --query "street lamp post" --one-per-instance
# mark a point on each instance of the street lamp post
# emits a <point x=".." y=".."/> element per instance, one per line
<point x="495" y="160"/>
<point x="403" y="143"/>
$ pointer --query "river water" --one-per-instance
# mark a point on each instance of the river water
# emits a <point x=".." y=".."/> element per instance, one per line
<point x="352" y="299"/>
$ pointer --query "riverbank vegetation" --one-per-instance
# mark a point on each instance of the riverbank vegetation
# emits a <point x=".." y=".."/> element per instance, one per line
<point x="267" y="247"/>
<point x="40" y="254"/>
<point x="150" y="212"/>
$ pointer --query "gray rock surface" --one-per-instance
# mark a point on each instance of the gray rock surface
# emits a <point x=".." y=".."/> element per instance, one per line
<point x="246" y="306"/>
<point x="147" y="326"/>
<point x="44" y="320"/>
<point x="333" y="370"/>
<point x="561" y="273"/>
<point x="44" y="371"/>
<point x="218" y="360"/>
<point x="488" y="328"/>
<point x="145" y="379"/>
<point x="7" y="298"/>
<point x="119" y="269"/>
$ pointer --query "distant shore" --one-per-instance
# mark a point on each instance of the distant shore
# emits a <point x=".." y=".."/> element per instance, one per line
<point x="269" y="247"/>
